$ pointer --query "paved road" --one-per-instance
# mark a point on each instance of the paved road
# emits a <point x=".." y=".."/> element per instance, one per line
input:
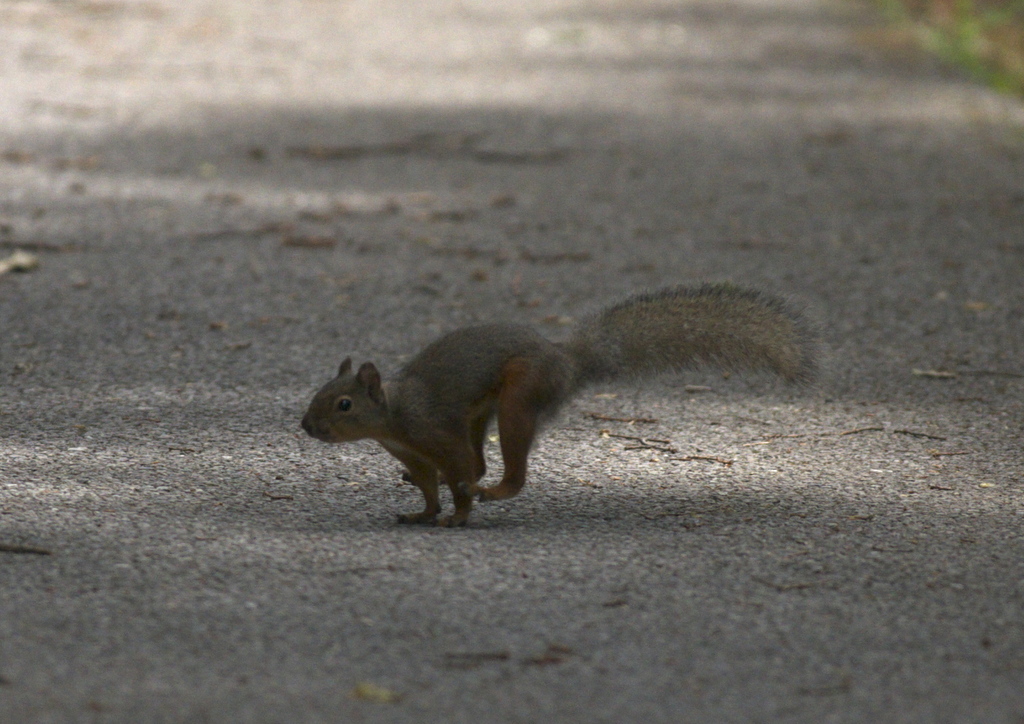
<point x="227" y="198"/>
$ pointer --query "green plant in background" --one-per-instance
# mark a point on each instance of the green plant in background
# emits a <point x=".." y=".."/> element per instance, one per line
<point x="986" y="37"/>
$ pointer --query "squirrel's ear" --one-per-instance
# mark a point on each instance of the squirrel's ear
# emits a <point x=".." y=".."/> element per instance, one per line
<point x="369" y="377"/>
<point x="345" y="366"/>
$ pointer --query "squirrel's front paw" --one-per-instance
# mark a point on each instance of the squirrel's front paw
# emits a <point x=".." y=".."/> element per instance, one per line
<point x="452" y="521"/>
<point x="495" y="492"/>
<point x="423" y="518"/>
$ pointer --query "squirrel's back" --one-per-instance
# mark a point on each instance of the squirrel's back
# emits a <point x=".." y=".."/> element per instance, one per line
<point x="465" y="366"/>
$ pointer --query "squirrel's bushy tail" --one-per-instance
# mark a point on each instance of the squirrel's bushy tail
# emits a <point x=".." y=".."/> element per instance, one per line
<point x="676" y="328"/>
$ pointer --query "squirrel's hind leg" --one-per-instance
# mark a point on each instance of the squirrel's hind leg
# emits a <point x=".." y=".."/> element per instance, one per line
<point x="520" y="402"/>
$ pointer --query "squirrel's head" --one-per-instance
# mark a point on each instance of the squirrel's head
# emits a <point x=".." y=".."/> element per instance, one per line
<point x="349" y="407"/>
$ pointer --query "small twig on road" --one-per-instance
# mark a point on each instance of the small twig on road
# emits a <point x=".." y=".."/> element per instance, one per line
<point x="631" y="420"/>
<point x="940" y="454"/>
<point x="555" y="654"/>
<point x="277" y="497"/>
<point x="642" y="440"/>
<point x="709" y="458"/>
<point x="645" y="446"/>
<point x="360" y="570"/>
<point x="783" y="587"/>
<point x="855" y="431"/>
<point x="917" y="434"/>
<point x="645" y="443"/>
<point x="31" y="550"/>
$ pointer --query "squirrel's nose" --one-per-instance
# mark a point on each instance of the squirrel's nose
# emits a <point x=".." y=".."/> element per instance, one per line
<point x="307" y="425"/>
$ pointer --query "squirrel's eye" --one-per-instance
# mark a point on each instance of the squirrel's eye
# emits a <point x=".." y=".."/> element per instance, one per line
<point x="344" y="404"/>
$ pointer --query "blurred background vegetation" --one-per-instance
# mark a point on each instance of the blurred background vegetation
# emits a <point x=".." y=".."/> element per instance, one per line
<point x="984" y="36"/>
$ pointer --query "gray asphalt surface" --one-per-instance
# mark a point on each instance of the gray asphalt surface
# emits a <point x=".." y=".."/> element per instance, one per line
<point x="227" y="198"/>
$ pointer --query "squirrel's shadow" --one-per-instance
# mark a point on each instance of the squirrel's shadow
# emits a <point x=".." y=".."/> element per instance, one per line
<point x="685" y="507"/>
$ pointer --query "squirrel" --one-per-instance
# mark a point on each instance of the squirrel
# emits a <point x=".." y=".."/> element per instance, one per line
<point x="433" y="416"/>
